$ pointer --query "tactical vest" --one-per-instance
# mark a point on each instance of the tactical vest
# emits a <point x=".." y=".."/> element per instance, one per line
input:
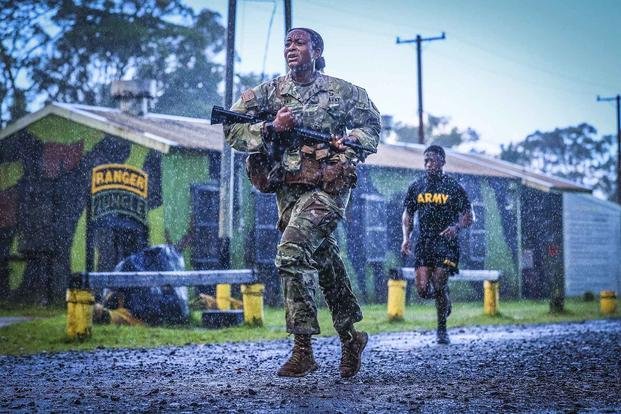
<point x="313" y="165"/>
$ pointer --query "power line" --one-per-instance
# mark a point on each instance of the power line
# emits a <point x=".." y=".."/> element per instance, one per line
<point x="460" y="38"/>
<point x="507" y="75"/>
<point x="374" y="18"/>
<point x="267" y="40"/>
<point x="528" y="65"/>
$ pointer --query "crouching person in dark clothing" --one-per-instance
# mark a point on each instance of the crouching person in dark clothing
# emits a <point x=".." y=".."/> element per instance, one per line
<point x="155" y="305"/>
<point x="443" y="210"/>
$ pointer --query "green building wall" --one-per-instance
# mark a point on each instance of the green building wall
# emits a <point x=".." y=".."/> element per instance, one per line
<point x="170" y="220"/>
<point x="79" y="140"/>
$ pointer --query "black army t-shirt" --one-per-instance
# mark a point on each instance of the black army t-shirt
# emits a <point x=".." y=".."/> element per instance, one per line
<point x="438" y="200"/>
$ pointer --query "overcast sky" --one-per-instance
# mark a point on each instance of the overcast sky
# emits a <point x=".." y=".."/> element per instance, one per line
<point x="507" y="68"/>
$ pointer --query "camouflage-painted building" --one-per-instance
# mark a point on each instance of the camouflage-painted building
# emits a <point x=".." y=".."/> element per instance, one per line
<point x="46" y="164"/>
<point x="47" y="160"/>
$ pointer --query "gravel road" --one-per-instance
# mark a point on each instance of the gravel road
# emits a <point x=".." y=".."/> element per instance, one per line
<point x="573" y="367"/>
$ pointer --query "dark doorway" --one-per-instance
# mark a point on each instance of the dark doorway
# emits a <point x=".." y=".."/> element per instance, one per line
<point x="117" y="237"/>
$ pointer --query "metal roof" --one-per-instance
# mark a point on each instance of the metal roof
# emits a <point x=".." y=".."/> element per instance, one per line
<point x="156" y="131"/>
<point x="163" y="132"/>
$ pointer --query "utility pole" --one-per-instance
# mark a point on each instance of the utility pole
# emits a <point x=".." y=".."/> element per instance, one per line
<point x="618" y="100"/>
<point x="418" y="41"/>
<point x="287" y="16"/>
<point x="225" y="222"/>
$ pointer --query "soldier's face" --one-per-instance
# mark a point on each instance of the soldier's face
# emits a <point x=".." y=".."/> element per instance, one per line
<point x="299" y="53"/>
<point x="433" y="163"/>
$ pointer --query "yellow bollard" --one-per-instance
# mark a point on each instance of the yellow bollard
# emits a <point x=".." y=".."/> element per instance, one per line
<point x="252" y="296"/>
<point x="396" y="299"/>
<point x="79" y="313"/>
<point x="223" y="296"/>
<point x="491" y="297"/>
<point x="607" y="302"/>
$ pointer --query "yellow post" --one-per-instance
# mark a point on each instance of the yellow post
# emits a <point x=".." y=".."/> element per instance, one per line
<point x="396" y="299"/>
<point x="607" y="302"/>
<point x="79" y="313"/>
<point x="223" y="296"/>
<point x="491" y="297"/>
<point x="252" y="296"/>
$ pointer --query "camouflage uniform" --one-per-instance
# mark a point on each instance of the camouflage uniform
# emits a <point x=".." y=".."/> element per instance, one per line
<point x="308" y="215"/>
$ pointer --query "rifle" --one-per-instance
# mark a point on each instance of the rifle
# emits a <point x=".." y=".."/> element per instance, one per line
<point x="220" y="115"/>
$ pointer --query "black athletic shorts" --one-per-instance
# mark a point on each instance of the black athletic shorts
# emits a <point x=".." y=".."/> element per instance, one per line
<point x="437" y="252"/>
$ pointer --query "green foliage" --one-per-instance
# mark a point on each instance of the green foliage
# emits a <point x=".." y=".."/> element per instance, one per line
<point x="575" y="153"/>
<point x="437" y="131"/>
<point x="23" y="39"/>
<point x="46" y="333"/>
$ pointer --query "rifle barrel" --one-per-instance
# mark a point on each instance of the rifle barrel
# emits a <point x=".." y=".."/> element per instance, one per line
<point x="220" y="115"/>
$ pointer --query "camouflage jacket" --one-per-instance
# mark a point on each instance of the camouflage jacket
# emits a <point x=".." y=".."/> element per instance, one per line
<point x="329" y="105"/>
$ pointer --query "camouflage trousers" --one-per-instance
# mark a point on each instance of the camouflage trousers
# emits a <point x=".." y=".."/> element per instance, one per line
<point x="308" y="253"/>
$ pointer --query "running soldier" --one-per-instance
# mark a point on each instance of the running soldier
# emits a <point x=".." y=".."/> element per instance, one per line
<point x="443" y="210"/>
<point x="312" y="183"/>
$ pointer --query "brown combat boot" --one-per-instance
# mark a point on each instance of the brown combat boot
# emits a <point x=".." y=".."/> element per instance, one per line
<point x="351" y="353"/>
<point x="301" y="361"/>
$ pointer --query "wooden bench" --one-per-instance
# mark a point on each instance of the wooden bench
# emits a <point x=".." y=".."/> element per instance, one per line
<point x="398" y="278"/>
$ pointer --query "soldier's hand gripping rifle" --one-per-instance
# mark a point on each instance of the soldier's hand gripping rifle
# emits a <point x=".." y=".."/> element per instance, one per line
<point x="220" y="115"/>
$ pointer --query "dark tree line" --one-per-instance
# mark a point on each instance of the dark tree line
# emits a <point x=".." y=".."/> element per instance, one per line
<point x="437" y="131"/>
<point x="576" y="153"/>
<point x="71" y="50"/>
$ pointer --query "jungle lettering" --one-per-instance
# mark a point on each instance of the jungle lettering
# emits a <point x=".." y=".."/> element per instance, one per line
<point x="435" y="198"/>
<point x="119" y="202"/>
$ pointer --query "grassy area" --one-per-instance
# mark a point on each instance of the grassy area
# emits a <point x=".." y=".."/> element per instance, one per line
<point x="9" y="309"/>
<point x="46" y="333"/>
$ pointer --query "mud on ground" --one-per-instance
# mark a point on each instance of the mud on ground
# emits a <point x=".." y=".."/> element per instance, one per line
<point x="543" y="368"/>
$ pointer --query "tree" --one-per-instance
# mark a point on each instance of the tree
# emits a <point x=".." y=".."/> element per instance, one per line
<point x="191" y="86"/>
<point x="71" y="50"/>
<point x="23" y="40"/>
<point x="575" y="153"/>
<point x="436" y="132"/>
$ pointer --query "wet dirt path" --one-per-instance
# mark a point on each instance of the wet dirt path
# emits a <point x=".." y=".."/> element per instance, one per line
<point x="10" y="320"/>
<point x="543" y="368"/>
